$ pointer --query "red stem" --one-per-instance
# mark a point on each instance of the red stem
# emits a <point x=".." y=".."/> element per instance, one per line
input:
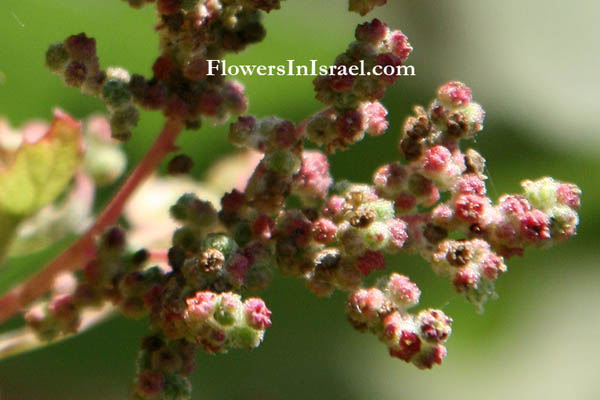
<point x="80" y="252"/>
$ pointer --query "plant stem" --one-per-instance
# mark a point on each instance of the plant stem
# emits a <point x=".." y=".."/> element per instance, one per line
<point x="80" y="252"/>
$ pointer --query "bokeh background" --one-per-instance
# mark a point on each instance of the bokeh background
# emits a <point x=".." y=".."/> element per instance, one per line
<point x="533" y="66"/>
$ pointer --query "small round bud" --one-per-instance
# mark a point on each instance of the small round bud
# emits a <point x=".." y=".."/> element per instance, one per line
<point x="282" y="162"/>
<point x="454" y="94"/>
<point x="408" y="346"/>
<point x="400" y="46"/>
<point x="433" y="326"/>
<point x="115" y="93"/>
<point x="211" y="260"/>
<point x="257" y="314"/>
<point x="364" y="307"/>
<point x="180" y="164"/>
<point x="228" y="309"/>
<point x="466" y="280"/>
<point x="122" y="121"/>
<point x="369" y="261"/>
<point x="200" y="307"/>
<point x="114" y="238"/>
<point x="569" y="195"/>
<point x="75" y="73"/>
<point x="80" y="47"/>
<point x="324" y="230"/>
<point x="430" y="356"/>
<point x="471" y="208"/>
<point x="402" y="291"/>
<point x="436" y="159"/>
<point x="535" y="226"/>
<point x="374" y="31"/>
<point x="57" y="57"/>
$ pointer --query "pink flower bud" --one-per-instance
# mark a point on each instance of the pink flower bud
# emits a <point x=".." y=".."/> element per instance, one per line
<point x="465" y="280"/>
<point x="257" y="313"/>
<point x="375" y="114"/>
<point x="334" y="206"/>
<point x="569" y="195"/>
<point x="470" y="184"/>
<point x="408" y="346"/>
<point x="365" y="305"/>
<point x="324" y="230"/>
<point x="433" y="326"/>
<point x="514" y="205"/>
<point x="400" y="46"/>
<point x="492" y="266"/>
<point x="201" y="307"/>
<point x="470" y="208"/>
<point x="535" y="226"/>
<point x="402" y="291"/>
<point x="430" y="356"/>
<point x="398" y="233"/>
<point x="313" y="180"/>
<point x="454" y="94"/>
<point x="436" y="159"/>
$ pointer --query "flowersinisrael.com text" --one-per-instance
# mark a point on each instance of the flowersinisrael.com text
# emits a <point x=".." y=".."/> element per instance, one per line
<point x="220" y="67"/>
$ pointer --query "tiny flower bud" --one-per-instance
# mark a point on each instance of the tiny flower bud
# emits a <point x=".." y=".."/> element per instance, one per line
<point x="257" y="313"/>
<point x="402" y="291"/>
<point x="57" y="57"/>
<point x="369" y="261"/>
<point x="433" y="326"/>
<point x="454" y="94"/>
<point x="149" y="384"/>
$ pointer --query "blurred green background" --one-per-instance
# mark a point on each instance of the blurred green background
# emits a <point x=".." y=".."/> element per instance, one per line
<point x="532" y="65"/>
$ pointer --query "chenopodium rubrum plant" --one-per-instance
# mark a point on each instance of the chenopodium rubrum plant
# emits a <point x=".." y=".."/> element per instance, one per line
<point x="196" y="294"/>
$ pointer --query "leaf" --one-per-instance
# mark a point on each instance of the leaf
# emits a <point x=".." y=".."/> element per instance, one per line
<point x="55" y="221"/>
<point x="41" y="168"/>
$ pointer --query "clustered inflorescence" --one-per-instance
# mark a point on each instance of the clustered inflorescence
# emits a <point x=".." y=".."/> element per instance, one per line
<point x="340" y="233"/>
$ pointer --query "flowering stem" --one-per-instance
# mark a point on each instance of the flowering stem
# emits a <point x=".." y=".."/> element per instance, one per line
<point x="82" y="250"/>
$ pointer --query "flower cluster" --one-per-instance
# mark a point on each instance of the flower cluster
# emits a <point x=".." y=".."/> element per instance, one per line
<point x="353" y="100"/>
<point x="291" y="216"/>
<point x="190" y="304"/>
<point x="76" y="62"/>
<point x="383" y="311"/>
<point x="190" y="33"/>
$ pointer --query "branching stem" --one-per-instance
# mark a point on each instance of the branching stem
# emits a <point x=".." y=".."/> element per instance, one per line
<point x="80" y="252"/>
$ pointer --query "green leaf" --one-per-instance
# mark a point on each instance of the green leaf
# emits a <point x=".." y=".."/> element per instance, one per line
<point x="41" y="169"/>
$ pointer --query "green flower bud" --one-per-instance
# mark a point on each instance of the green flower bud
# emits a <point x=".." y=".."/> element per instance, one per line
<point x="57" y="57"/>
<point x="541" y="193"/>
<point x="122" y="121"/>
<point x="284" y="162"/>
<point x="116" y="94"/>
<point x="245" y="337"/>
<point x="383" y="209"/>
<point x="376" y="236"/>
<point x="224" y="243"/>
